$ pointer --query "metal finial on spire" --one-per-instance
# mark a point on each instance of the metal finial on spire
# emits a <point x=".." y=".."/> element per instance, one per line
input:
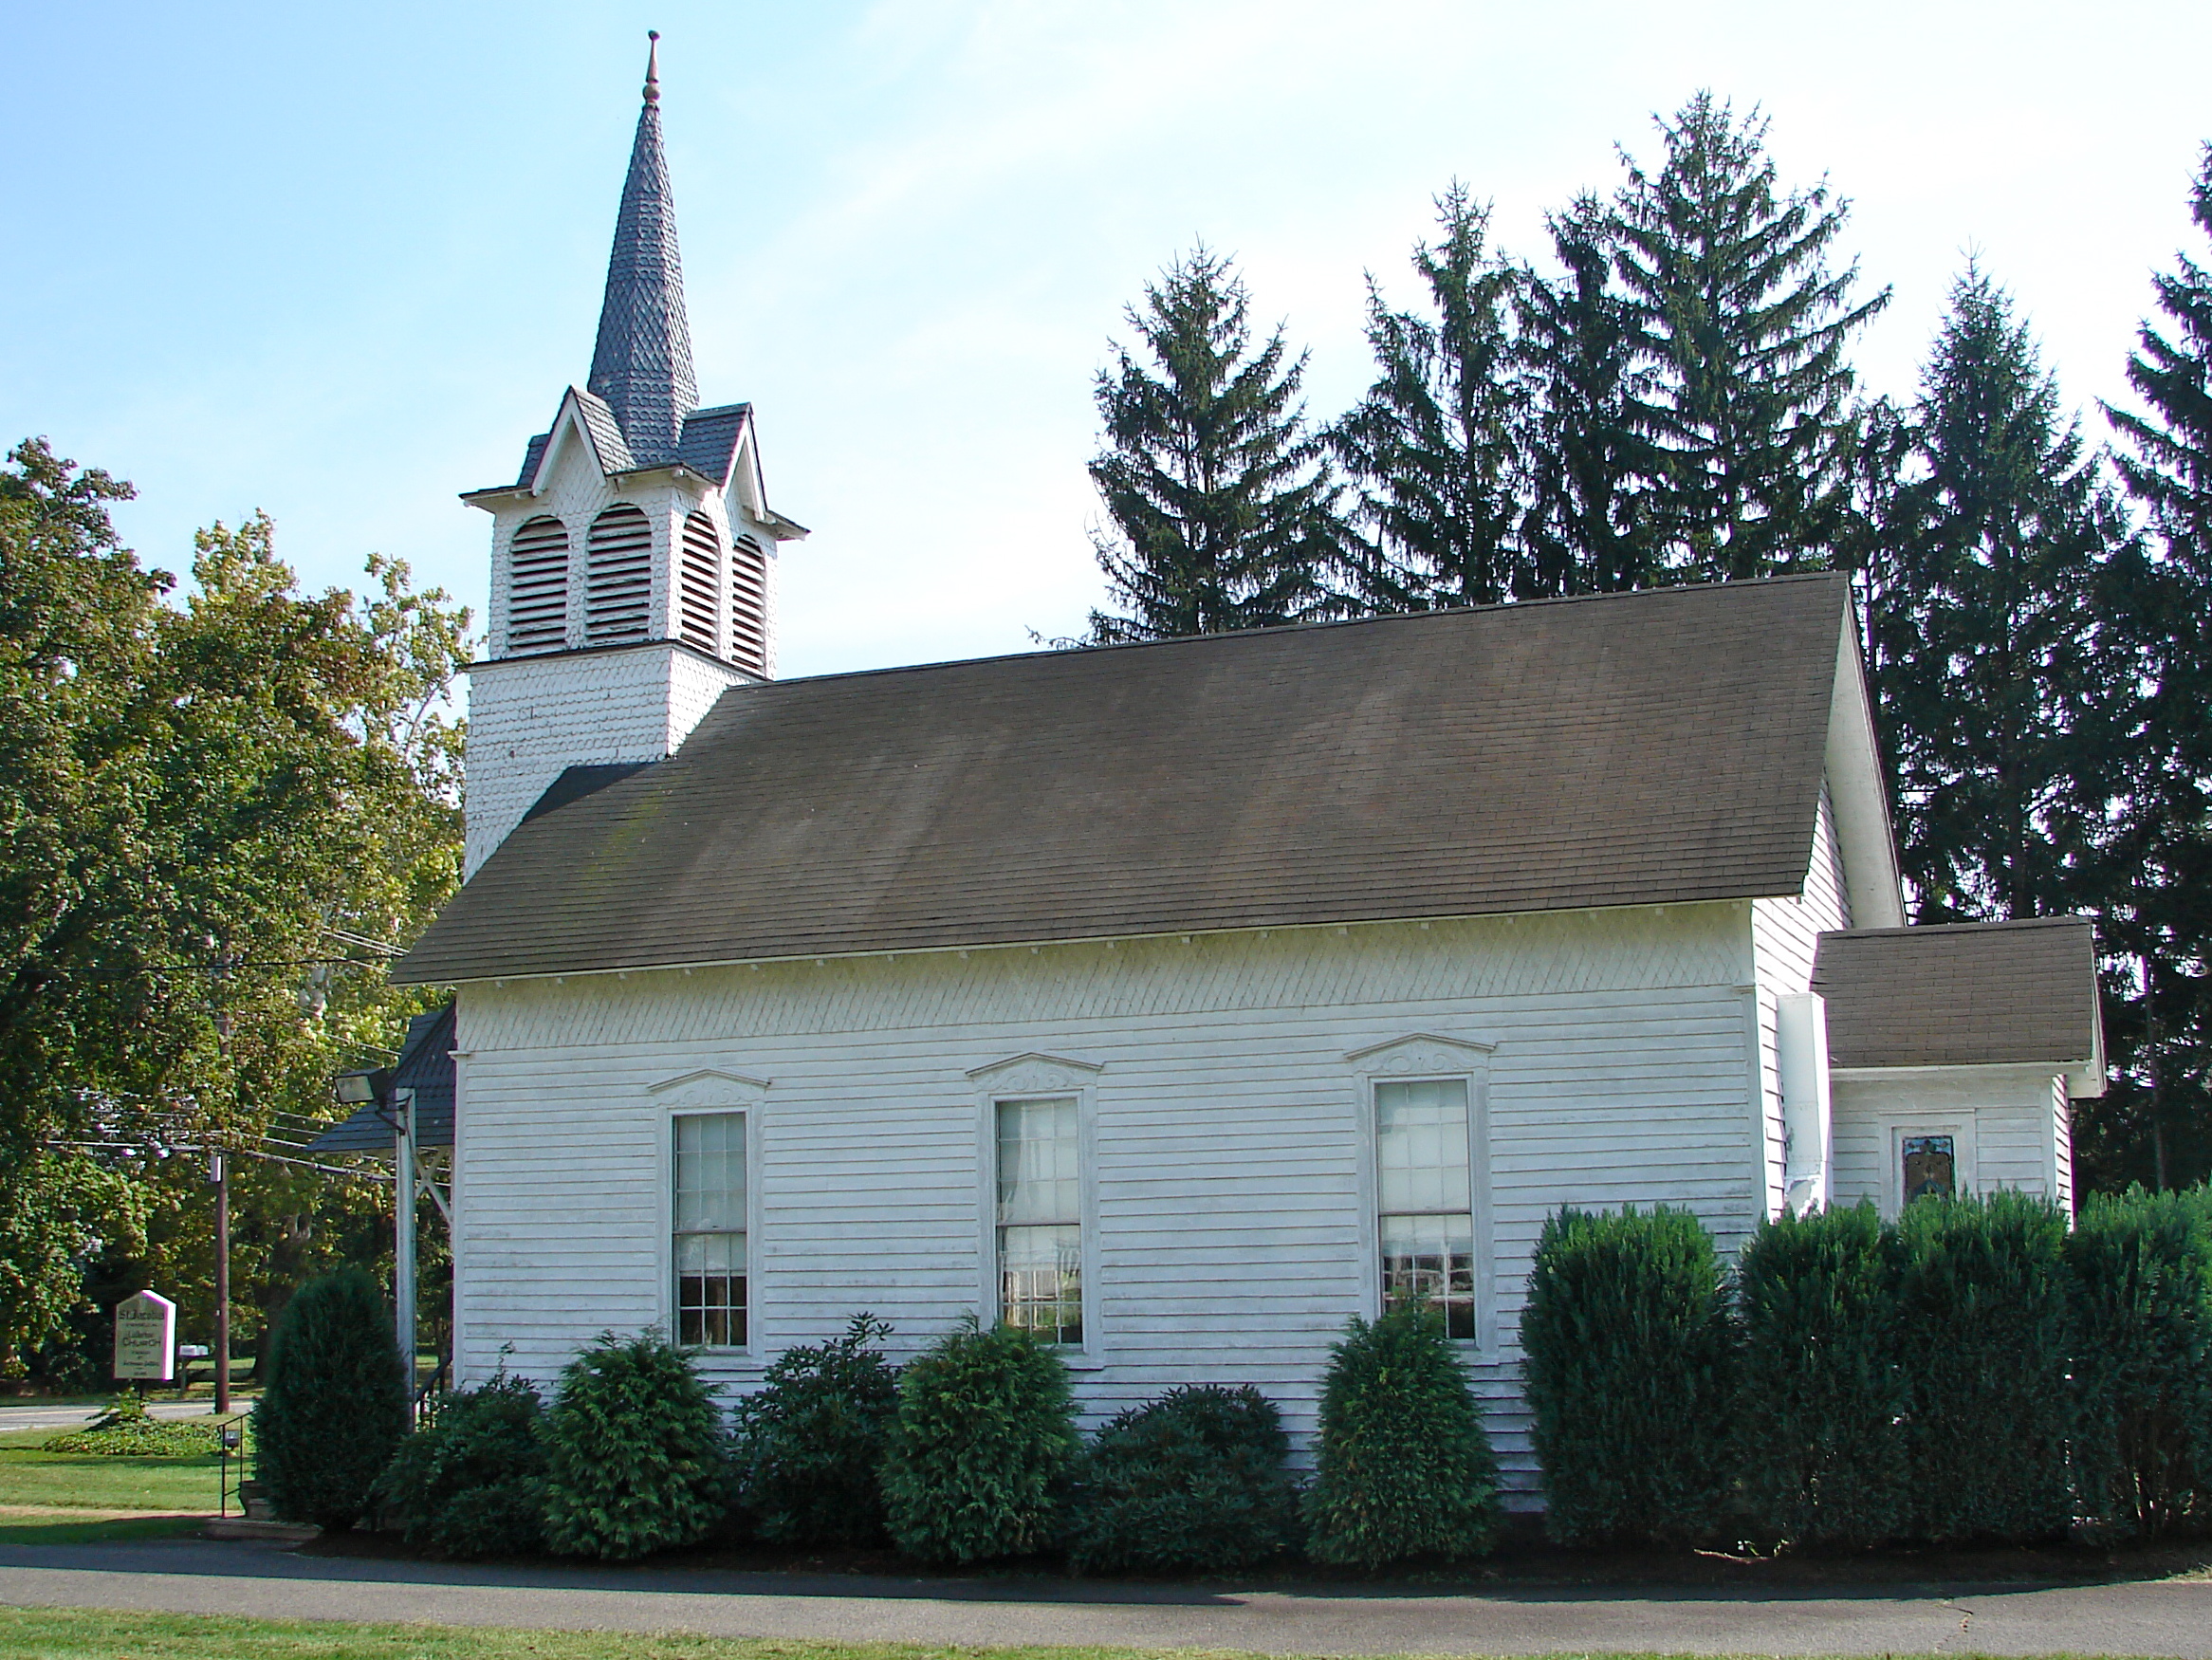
<point x="653" y="66"/>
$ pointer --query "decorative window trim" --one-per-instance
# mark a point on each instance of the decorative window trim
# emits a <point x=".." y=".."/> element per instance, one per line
<point x="1426" y="1058"/>
<point x="684" y="1095"/>
<point x="1037" y="1076"/>
<point x="1956" y="1122"/>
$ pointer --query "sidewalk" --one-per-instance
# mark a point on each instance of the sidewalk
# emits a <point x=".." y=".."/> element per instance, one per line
<point x="197" y="1576"/>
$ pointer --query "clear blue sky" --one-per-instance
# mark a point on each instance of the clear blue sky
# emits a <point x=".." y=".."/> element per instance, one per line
<point x="338" y="262"/>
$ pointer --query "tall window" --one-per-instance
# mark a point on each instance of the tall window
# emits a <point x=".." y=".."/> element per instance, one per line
<point x="536" y="606"/>
<point x="1040" y="1232"/>
<point x="748" y="605"/>
<point x="699" y="582"/>
<point x="709" y="1229"/>
<point x="1428" y="1223"/>
<point x="618" y="584"/>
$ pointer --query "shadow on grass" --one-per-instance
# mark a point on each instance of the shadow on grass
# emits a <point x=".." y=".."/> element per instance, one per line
<point x="115" y="1531"/>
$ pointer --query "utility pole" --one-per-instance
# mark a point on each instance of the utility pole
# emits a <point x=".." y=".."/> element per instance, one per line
<point x="219" y="1173"/>
<point x="403" y="1236"/>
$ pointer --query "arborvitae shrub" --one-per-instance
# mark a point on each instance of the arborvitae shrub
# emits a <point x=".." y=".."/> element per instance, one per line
<point x="1820" y="1448"/>
<point x="472" y="1482"/>
<point x="982" y="1448"/>
<point x="637" y="1460"/>
<point x="1982" y="1340"/>
<point x="1403" y="1467"/>
<point x="334" y="1404"/>
<point x="2142" y="1289"/>
<point x="1191" y="1482"/>
<point x="1630" y="1376"/>
<point x="810" y="1441"/>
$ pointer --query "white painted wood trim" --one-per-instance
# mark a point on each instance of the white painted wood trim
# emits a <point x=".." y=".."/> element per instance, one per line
<point x="1425" y="1058"/>
<point x="692" y="1095"/>
<point x="1897" y="1126"/>
<point x="1027" y="1077"/>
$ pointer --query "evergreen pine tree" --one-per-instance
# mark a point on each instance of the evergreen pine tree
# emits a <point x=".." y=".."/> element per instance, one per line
<point x="1744" y="327"/>
<point x="1222" y="501"/>
<point x="1432" y="448"/>
<point x="2155" y="1124"/>
<point x="1985" y="648"/>
<point x="1584" y="526"/>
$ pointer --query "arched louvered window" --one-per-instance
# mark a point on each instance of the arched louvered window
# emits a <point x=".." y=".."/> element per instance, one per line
<point x="698" y="582"/>
<point x="536" y="587"/>
<point x="617" y="591"/>
<point x="748" y="606"/>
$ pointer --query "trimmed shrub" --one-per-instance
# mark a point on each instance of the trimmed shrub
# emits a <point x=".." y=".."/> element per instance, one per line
<point x="1820" y="1446"/>
<point x="472" y="1482"/>
<point x="335" y="1405"/>
<point x="635" y="1458"/>
<point x="2141" y="1292"/>
<point x="982" y="1448"/>
<point x="1403" y="1467"/>
<point x="1983" y="1342"/>
<point x="1193" y="1482"/>
<point x="1631" y="1374"/>
<point x="126" y="1429"/>
<point x="809" y="1442"/>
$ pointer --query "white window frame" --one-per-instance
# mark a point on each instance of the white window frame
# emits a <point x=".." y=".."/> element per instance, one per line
<point x="693" y="1094"/>
<point x="1031" y="1078"/>
<point x="1425" y="1058"/>
<point x="1959" y="1126"/>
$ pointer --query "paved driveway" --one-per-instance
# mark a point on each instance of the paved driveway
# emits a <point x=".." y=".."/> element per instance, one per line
<point x="69" y="1417"/>
<point x="199" y="1576"/>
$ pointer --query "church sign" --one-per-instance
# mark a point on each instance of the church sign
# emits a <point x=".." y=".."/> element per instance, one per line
<point x="145" y="1338"/>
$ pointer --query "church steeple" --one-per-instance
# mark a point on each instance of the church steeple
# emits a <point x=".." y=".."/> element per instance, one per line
<point x="642" y="363"/>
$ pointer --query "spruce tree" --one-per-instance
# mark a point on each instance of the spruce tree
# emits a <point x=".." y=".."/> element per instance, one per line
<point x="2156" y="1121"/>
<point x="1584" y="528"/>
<point x="1984" y="646"/>
<point x="1433" y="448"/>
<point x="1223" y="500"/>
<point x="1744" y="326"/>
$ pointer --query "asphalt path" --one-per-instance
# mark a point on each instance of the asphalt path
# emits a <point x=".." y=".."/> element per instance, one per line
<point x="203" y="1577"/>
<point x="69" y="1417"/>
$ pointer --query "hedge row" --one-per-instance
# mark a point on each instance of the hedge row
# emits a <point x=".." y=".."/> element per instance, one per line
<point x="1974" y="1372"/>
<point x="970" y="1453"/>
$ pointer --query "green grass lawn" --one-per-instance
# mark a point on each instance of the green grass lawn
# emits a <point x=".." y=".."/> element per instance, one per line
<point x="55" y="1498"/>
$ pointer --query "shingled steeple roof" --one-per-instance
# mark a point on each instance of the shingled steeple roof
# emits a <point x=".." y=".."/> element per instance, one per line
<point x="642" y="365"/>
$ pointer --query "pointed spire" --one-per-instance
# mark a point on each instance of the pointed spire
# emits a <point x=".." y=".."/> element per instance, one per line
<point x="642" y="365"/>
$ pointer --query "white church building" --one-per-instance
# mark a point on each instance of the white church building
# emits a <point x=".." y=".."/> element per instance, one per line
<point x="1180" y="1001"/>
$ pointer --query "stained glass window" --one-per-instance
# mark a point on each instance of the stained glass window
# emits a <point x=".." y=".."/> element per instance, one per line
<point x="1040" y="1218"/>
<point x="1930" y="1168"/>
<point x="1426" y="1194"/>
<point x="709" y="1229"/>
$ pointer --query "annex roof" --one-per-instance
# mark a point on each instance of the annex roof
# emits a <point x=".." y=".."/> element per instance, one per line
<point x="425" y="1066"/>
<point x="1967" y="995"/>
<point x="1638" y="748"/>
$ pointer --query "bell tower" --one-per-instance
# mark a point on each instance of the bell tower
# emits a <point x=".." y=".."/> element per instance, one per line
<point x="633" y="558"/>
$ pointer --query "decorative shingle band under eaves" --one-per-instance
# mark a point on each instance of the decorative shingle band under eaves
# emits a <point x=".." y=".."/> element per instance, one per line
<point x="1637" y="748"/>
<point x="1969" y="994"/>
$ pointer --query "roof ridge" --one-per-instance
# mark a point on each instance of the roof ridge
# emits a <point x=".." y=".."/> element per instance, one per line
<point x="1929" y="929"/>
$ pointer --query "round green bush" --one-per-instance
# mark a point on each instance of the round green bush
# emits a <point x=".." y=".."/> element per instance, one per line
<point x="810" y="1441"/>
<point x="635" y="1457"/>
<point x="335" y="1405"/>
<point x="982" y="1448"/>
<point x="1191" y="1482"/>
<point x="472" y="1482"/>
<point x="1403" y="1467"/>
<point x="1630" y="1366"/>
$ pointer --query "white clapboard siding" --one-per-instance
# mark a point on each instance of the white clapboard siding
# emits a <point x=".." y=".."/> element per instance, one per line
<point x="1785" y="936"/>
<point x="2012" y="1117"/>
<point x="1227" y="1131"/>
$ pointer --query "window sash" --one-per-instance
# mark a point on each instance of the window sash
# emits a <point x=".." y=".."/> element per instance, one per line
<point x="707" y="1214"/>
<point x="1038" y="1235"/>
<point x="1425" y="1192"/>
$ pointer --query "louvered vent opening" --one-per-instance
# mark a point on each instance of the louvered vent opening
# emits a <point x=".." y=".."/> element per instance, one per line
<point x="617" y="592"/>
<point x="537" y="594"/>
<point x="748" y="606"/>
<point x="698" y="582"/>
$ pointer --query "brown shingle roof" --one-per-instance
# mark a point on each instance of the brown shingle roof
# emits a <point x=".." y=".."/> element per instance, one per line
<point x="1968" y="994"/>
<point x="1635" y="749"/>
